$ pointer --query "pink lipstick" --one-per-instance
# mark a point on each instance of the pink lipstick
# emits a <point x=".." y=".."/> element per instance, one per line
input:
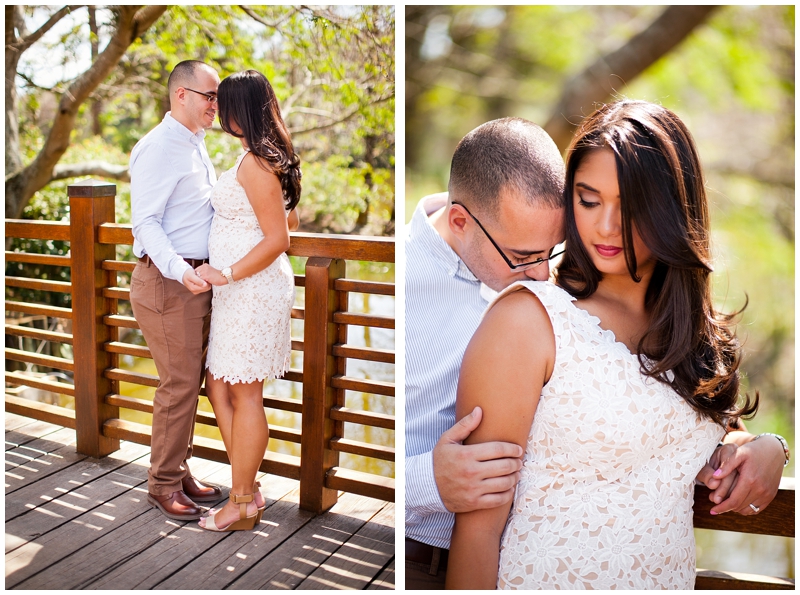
<point x="607" y="251"/>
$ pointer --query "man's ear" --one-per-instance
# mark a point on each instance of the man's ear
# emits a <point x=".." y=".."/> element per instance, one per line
<point x="456" y="220"/>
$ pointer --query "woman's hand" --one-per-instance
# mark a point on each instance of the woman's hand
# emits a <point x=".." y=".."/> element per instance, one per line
<point x="211" y="275"/>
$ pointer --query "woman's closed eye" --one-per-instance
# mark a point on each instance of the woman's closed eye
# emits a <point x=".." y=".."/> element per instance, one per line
<point x="586" y="203"/>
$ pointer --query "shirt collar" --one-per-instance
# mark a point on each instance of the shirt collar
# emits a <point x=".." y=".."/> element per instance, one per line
<point x="180" y="129"/>
<point x="422" y="226"/>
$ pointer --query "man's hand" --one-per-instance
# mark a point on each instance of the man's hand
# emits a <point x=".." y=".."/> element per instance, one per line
<point x="194" y="283"/>
<point x="474" y="476"/>
<point x="746" y="474"/>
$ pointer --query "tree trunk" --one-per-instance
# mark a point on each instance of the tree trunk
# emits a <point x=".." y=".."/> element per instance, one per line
<point x="598" y="82"/>
<point x="97" y="105"/>
<point x="22" y="183"/>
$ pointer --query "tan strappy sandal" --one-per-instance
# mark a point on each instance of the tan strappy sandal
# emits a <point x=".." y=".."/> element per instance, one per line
<point x="245" y="523"/>
<point x="261" y="509"/>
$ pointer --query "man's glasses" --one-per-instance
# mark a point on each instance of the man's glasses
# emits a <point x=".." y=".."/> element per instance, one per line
<point x="512" y="266"/>
<point x="212" y="99"/>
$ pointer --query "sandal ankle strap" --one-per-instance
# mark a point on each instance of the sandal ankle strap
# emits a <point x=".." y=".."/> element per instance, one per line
<point x="242" y="500"/>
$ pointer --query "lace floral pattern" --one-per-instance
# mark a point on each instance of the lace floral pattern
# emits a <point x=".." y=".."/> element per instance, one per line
<point x="250" y="320"/>
<point x="606" y="490"/>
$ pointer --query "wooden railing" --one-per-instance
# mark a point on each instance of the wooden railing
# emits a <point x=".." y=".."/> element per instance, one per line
<point x="777" y="519"/>
<point x="96" y="323"/>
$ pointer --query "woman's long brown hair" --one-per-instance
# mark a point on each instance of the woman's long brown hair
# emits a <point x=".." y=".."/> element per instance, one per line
<point x="247" y="100"/>
<point x="688" y="344"/>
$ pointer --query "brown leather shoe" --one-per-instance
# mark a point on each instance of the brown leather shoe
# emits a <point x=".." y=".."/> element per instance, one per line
<point x="200" y="491"/>
<point x="176" y="505"/>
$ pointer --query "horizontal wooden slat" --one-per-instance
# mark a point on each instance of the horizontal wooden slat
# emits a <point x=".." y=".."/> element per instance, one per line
<point x="283" y="404"/>
<point x="716" y="580"/>
<point x="35" y="333"/>
<point x="37" y="230"/>
<point x="50" y="361"/>
<point x="39" y="309"/>
<point x="365" y="386"/>
<point x="202" y="417"/>
<point x="299" y="280"/>
<point x="128" y="349"/>
<point x="124" y="266"/>
<point x="25" y="380"/>
<point x="293" y="375"/>
<point x="373" y="355"/>
<point x="363" y="319"/>
<point x="299" y="313"/>
<point x="376" y="249"/>
<point x="39" y="284"/>
<point x="114" y="233"/>
<point x="58" y="260"/>
<point x="366" y="418"/>
<point x="297" y="345"/>
<point x="133" y="377"/>
<point x="117" y="293"/>
<point x="53" y="414"/>
<point x="121" y="321"/>
<point x="370" y="248"/>
<point x="373" y="287"/>
<point x="363" y="449"/>
<point x="775" y="519"/>
<point x="358" y="482"/>
<point x="204" y="448"/>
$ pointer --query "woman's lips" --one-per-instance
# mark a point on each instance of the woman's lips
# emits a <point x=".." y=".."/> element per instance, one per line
<point x="607" y="251"/>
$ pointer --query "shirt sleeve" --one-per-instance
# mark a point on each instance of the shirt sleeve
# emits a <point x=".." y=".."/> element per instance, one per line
<point x="152" y="183"/>
<point x="422" y="495"/>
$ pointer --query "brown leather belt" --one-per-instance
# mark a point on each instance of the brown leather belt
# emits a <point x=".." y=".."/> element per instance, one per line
<point x="194" y="262"/>
<point x="422" y="553"/>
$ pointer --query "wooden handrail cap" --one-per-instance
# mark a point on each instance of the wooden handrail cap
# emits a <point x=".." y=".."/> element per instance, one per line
<point x="91" y="189"/>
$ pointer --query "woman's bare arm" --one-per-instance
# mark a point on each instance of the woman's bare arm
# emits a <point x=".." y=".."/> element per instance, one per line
<point x="508" y="360"/>
<point x="264" y="192"/>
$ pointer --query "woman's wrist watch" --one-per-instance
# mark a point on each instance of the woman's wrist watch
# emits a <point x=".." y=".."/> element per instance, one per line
<point x="227" y="272"/>
<point x="782" y="441"/>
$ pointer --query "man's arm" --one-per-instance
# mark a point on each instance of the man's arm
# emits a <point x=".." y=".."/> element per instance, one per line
<point x="151" y="187"/>
<point x="460" y="478"/>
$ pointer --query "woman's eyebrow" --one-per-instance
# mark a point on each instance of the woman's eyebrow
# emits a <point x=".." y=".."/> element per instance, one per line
<point x="587" y="187"/>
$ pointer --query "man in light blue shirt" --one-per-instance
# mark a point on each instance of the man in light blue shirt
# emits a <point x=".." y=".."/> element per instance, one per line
<point x="499" y="223"/>
<point x="171" y="182"/>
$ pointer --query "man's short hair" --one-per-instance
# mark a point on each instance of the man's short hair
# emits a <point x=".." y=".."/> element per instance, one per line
<point x="507" y="154"/>
<point x="184" y="74"/>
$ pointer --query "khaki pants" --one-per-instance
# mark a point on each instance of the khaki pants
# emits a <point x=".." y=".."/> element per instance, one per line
<point x="175" y="324"/>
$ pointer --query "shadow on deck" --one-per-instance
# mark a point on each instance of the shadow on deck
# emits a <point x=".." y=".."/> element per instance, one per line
<point x="74" y="522"/>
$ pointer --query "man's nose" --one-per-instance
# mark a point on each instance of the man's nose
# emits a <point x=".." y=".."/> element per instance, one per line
<point x="539" y="272"/>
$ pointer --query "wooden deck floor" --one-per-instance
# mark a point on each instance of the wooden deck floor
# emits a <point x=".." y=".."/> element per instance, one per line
<point x="74" y="522"/>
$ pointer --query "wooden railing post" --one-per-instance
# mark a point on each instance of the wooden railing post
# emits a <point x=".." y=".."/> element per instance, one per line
<point x="319" y="335"/>
<point x="91" y="203"/>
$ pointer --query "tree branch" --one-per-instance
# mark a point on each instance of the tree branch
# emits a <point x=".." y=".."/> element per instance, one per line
<point x="342" y="119"/>
<point x="23" y="43"/>
<point x="91" y="168"/>
<point x="597" y="82"/>
<point x="251" y="13"/>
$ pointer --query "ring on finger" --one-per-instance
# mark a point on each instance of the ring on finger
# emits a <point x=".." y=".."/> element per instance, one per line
<point x="755" y="508"/>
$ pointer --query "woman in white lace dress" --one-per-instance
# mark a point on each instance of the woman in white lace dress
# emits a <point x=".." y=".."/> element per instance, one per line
<point x="618" y="381"/>
<point x="253" y="284"/>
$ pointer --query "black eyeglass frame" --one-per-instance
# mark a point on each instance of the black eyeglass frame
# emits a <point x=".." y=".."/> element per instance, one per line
<point x="512" y="266"/>
<point x="212" y="99"/>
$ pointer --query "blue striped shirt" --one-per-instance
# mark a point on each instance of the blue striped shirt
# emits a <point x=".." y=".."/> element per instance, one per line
<point x="443" y="310"/>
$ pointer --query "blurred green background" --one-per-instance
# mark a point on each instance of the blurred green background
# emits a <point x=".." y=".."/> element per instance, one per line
<point x="728" y="73"/>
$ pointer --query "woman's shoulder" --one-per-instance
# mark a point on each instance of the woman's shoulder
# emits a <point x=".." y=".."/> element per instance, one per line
<point x="551" y="296"/>
<point x="256" y="171"/>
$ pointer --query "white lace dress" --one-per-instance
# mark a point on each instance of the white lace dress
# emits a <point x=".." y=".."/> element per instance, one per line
<point x="250" y="320"/>
<point x="606" y="490"/>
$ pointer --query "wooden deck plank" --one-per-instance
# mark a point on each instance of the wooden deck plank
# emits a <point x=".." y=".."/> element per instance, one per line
<point x="188" y="543"/>
<point x="24" y="475"/>
<point x="288" y="566"/>
<point x="20" y="454"/>
<point x="87" y="524"/>
<point x="386" y="579"/>
<point x="33" y="430"/>
<point x="65" y="480"/>
<point x="360" y="559"/>
<point x="48" y="550"/>
<point x="15" y="422"/>
<point x="238" y="551"/>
